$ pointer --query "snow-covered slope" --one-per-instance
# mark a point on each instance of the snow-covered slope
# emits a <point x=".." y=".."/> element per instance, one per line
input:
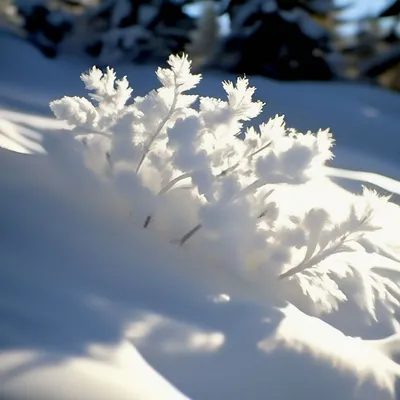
<point x="79" y="284"/>
<point x="93" y="307"/>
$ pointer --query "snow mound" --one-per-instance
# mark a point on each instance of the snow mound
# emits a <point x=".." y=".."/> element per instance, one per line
<point x="98" y="303"/>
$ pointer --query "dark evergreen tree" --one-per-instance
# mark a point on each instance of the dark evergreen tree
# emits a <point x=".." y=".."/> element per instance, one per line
<point x="282" y="39"/>
<point x="45" y="25"/>
<point x="393" y="11"/>
<point x="384" y="66"/>
<point x="366" y="43"/>
<point x="137" y="29"/>
<point x="111" y="29"/>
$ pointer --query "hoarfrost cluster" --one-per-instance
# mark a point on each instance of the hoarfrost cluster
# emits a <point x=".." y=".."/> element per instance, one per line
<point x="190" y="172"/>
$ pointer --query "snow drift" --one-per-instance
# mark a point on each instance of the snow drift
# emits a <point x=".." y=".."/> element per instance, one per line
<point x="235" y="267"/>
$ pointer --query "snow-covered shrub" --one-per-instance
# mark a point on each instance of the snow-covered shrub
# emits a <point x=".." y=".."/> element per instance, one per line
<point x="245" y="204"/>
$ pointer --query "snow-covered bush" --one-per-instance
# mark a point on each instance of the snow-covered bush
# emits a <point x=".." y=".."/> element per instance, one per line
<point x="244" y="204"/>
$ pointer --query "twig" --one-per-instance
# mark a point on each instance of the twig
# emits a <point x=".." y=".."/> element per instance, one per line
<point x="147" y="221"/>
<point x="188" y="235"/>
<point x="159" y="129"/>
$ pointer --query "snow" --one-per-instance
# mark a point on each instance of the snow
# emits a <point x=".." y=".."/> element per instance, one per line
<point x="97" y="379"/>
<point x="94" y="307"/>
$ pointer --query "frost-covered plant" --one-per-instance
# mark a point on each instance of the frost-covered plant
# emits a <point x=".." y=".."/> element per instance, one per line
<point x="189" y="177"/>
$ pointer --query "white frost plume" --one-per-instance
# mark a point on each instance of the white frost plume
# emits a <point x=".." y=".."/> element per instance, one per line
<point x="188" y="174"/>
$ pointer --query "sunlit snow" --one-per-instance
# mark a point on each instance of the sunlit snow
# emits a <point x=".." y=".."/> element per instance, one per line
<point x="94" y="306"/>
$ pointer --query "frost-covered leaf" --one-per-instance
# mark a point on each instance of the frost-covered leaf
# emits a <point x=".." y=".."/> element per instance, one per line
<point x="179" y="75"/>
<point x="240" y="99"/>
<point x="76" y="111"/>
<point x="111" y="94"/>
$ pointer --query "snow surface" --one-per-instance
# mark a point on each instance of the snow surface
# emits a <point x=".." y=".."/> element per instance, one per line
<point x="92" y="307"/>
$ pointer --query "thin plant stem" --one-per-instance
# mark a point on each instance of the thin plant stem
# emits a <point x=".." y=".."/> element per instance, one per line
<point x="188" y="235"/>
<point x="174" y="181"/>
<point x="159" y="128"/>
<point x="147" y="221"/>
